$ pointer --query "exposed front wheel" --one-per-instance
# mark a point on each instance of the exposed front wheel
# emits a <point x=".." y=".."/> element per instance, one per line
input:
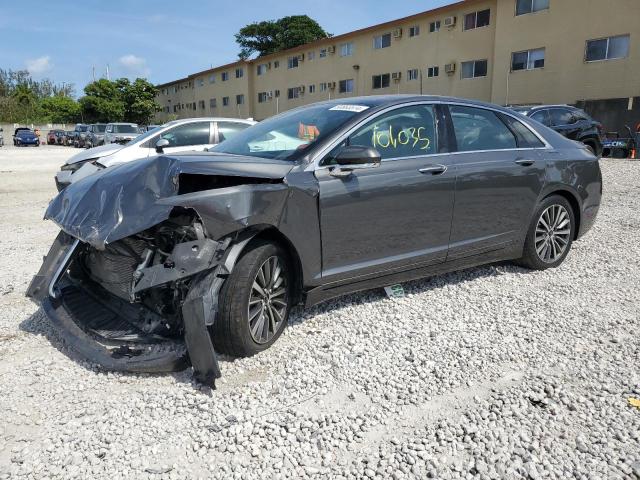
<point x="254" y="301"/>
<point x="550" y="234"/>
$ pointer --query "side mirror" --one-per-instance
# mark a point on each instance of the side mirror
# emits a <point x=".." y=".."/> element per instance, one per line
<point x="355" y="157"/>
<point x="161" y="145"/>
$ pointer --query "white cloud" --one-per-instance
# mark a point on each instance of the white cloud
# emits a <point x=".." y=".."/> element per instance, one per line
<point x="134" y="65"/>
<point x="39" y="65"/>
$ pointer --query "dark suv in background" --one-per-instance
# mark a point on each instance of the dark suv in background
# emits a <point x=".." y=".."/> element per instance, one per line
<point x="571" y="122"/>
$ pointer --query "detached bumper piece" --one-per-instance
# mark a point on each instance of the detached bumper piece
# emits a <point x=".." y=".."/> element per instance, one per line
<point x="107" y="329"/>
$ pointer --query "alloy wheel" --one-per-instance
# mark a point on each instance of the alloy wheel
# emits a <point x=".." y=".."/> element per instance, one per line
<point x="268" y="300"/>
<point x="553" y="233"/>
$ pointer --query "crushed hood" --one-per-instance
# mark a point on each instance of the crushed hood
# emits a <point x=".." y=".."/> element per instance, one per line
<point x="95" y="152"/>
<point x="120" y="201"/>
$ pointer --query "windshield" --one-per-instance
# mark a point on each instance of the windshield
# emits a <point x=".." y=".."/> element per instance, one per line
<point x="99" y="128"/>
<point x="82" y="128"/>
<point x="125" y="129"/>
<point x="287" y="136"/>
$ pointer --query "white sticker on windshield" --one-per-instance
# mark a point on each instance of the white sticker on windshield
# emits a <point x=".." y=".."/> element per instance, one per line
<point x="349" y="108"/>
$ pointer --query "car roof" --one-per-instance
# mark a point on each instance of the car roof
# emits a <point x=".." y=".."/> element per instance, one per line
<point x="121" y="123"/>
<point x="208" y="119"/>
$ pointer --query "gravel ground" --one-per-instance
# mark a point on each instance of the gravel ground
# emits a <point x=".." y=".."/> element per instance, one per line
<point x="496" y="372"/>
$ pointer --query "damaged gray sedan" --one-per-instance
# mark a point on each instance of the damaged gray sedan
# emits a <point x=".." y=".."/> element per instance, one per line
<point x="163" y="262"/>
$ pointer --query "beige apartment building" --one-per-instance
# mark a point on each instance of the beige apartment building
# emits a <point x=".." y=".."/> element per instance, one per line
<point x="584" y="52"/>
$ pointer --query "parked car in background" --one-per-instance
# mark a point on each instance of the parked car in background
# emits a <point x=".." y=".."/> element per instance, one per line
<point x="60" y="137"/>
<point x="571" y="122"/>
<point x="205" y="253"/>
<point x="120" y="133"/>
<point x="191" y="134"/>
<point x="69" y="138"/>
<point x="51" y="137"/>
<point x="80" y="135"/>
<point x="95" y="135"/>
<point x="23" y="137"/>
<point x="146" y="128"/>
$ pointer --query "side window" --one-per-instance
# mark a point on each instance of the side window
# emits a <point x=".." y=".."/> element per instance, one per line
<point x="542" y="116"/>
<point x="109" y="128"/>
<point x="560" y="116"/>
<point x="227" y="130"/>
<point x="186" y="135"/>
<point x="479" y="129"/>
<point x="403" y="132"/>
<point x="526" y="138"/>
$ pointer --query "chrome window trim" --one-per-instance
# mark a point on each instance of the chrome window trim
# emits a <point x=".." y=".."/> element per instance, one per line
<point x="314" y="163"/>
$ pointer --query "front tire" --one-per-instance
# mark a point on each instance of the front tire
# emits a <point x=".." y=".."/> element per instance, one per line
<point x="550" y="234"/>
<point x="254" y="302"/>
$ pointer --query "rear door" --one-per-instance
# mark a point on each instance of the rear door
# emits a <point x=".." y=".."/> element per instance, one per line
<point x="396" y="215"/>
<point x="499" y="177"/>
<point x="226" y="130"/>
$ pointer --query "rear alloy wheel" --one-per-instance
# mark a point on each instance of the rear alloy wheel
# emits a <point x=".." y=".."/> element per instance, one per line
<point x="254" y="301"/>
<point x="550" y="234"/>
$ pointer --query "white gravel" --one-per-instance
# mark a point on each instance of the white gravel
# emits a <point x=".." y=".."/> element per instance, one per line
<point x="496" y="372"/>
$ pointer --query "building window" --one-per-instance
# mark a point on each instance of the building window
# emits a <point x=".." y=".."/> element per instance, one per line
<point x="381" y="81"/>
<point x="433" y="72"/>
<point x="276" y="64"/>
<point x="293" y="62"/>
<point x="212" y="78"/>
<point x="212" y="103"/>
<point x="346" y="86"/>
<point x="225" y="101"/>
<point x="413" y="74"/>
<point x="414" y="31"/>
<point x="311" y="56"/>
<point x="382" y="41"/>
<point x="477" y="19"/>
<point x="530" y="6"/>
<point x="239" y="72"/>
<point x="323" y="52"/>
<point x="240" y="99"/>
<point x="434" y="26"/>
<point x="225" y="76"/>
<point x="175" y="89"/>
<point x="312" y="89"/>
<point x="276" y="93"/>
<point x="293" y="93"/>
<point x="201" y="104"/>
<point x="346" y="49"/>
<point x="262" y="97"/>
<point x="528" y="60"/>
<point x="324" y="87"/>
<point x="201" y="82"/>
<point x="262" y="69"/>
<point x="607" y="48"/>
<point x="474" y="69"/>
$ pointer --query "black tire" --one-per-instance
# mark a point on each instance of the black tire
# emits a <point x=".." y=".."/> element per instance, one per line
<point x="530" y="256"/>
<point x="231" y="331"/>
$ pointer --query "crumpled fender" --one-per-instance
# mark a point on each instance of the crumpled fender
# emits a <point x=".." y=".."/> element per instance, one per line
<point x="121" y="201"/>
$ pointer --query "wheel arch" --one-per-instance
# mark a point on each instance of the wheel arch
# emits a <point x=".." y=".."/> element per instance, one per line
<point x="572" y="198"/>
<point x="244" y="240"/>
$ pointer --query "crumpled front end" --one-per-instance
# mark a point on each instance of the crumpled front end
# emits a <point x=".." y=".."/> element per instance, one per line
<point x="133" y="278"/>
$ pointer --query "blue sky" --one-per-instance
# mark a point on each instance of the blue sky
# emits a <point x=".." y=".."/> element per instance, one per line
<point x="161" y="40"/>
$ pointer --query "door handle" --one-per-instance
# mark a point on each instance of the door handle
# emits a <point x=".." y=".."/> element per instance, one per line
<point x="525" y="162"/>
<point x="434" y="170"/>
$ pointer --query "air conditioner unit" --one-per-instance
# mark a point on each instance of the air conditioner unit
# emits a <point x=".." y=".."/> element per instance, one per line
<point x="397" y="33"/>
<point x="450" y="21"/>
<point x="301" y="89"/>
<point x="301" y="57"/>
<point x="396" y="76"/>
<point x="331" y="85"/>
<point x="450" y="68"/>
<point x="269" y="95"/>
<point x="331" y="49"/>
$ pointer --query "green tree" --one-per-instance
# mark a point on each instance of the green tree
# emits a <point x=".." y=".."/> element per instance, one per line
<point x="60" y="109"/>
<point x="273" y="36"/>
<point x="140" y="101"/>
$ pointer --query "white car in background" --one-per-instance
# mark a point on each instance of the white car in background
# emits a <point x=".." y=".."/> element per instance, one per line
<point x="191" y="134"/>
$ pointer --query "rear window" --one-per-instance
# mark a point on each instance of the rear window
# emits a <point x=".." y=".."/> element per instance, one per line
<point x="525" y="137"/>
<point x="125" y="129"/>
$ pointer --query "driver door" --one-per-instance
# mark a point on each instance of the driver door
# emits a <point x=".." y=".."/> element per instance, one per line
<point x="394" y="216"/>
<point x="188" y="137"/>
